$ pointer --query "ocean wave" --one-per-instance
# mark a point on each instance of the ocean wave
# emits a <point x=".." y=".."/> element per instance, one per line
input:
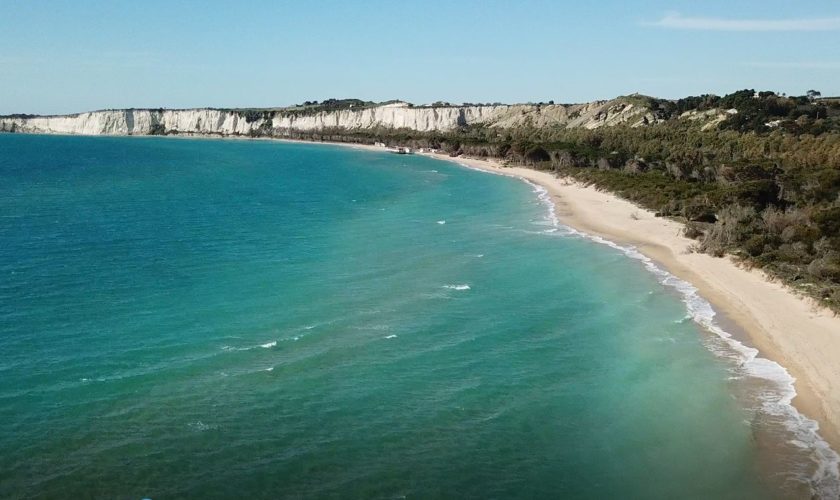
<point x="544" y="197"/>
<point x="293" y="335"/>
<point x="684" y="319"/>
<point x="230" y="348"/>
<point x="200" y="426"/>
<point x="441" y="222"/>
<point x="487" y="171"/>
<point x="825" y="480"/>
<point x="456" y="287"/>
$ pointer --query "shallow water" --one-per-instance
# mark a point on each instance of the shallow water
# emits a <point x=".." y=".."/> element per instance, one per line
<point x="210" y="318"/>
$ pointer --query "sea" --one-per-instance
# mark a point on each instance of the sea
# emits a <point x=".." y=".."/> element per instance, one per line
<point x="210" y="318"/>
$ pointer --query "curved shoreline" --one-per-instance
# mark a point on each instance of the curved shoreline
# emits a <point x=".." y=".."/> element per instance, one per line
<point x="799" y="334"/>
<point x="792" y="331"/>
<point x="789" y="340"/>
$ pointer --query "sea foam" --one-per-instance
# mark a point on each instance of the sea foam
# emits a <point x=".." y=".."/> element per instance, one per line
<point x="457" y="287"/>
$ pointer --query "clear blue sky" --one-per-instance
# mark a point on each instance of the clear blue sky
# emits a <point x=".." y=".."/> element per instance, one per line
<point x="67" y="56"/>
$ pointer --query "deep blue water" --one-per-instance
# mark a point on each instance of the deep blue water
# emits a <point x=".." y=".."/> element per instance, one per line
<point x="207" y="318"/>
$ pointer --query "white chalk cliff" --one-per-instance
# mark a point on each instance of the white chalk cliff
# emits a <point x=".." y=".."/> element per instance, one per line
<point x="285" y="122"/>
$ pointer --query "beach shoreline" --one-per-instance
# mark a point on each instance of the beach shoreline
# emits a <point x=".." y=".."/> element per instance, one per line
<point x="786" y="328"/>
<point x="789" y="329"/>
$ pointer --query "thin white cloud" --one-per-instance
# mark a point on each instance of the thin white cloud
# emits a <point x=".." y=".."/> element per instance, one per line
<point x="677" y="21"/>
<point x="795" y="65"/>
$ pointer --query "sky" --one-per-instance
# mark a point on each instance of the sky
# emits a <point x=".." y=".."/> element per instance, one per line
<point x="71" y="56"/>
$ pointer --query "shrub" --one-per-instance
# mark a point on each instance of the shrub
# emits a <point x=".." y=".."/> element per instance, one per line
<point x="692" y="230"/>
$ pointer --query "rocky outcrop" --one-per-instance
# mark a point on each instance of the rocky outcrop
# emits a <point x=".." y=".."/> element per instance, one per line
<point x="710" y="118"/>
<point x="135" y="122"/>
<point x="287" y="121"/>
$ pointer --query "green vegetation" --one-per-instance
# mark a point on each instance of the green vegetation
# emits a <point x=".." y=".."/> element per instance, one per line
<point x="313" y="107"/>
<point x="252" y="115"/>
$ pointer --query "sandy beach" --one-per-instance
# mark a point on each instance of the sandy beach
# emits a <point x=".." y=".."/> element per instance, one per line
<point x="792" y="330"/>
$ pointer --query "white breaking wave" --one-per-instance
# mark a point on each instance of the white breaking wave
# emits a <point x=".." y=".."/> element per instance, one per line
<point x="825" y="481"/>
<point x="545" y="198"/>
<point x="201" y="426"/>
<point x="392" y="336"/>
<point x="441" y="222"/>
<point x="269" y="345"/>
<point x="457" y="287"/>
<point x="230" y="348"/>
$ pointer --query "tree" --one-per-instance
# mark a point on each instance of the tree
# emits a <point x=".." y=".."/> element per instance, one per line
<point x="813" y="95"/>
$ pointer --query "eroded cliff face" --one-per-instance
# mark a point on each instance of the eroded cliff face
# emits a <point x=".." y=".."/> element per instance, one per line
<point x="135" y="122"/>
<point x="285" y="122"/>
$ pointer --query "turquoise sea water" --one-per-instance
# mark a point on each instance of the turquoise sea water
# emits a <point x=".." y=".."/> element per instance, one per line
<point x="208" y="318"/>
